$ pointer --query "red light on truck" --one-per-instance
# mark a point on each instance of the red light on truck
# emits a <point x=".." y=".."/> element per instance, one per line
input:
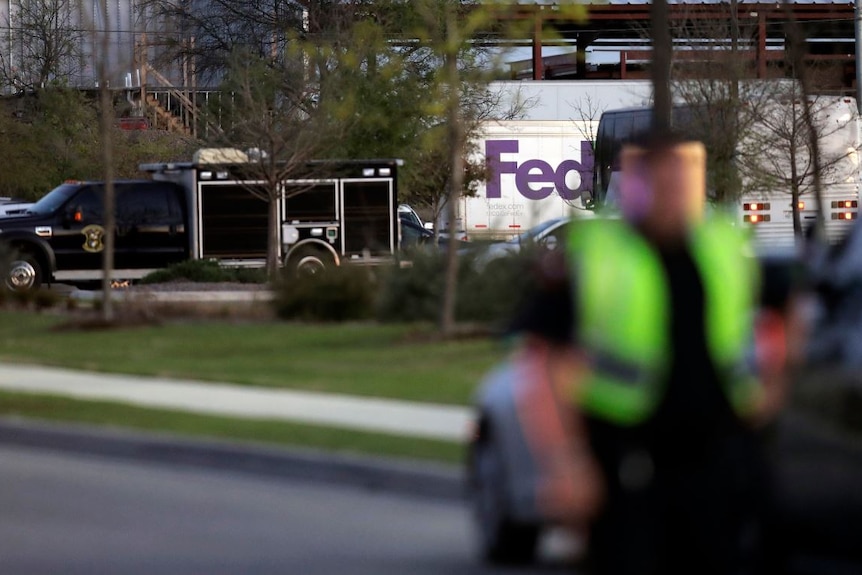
<point x="800" y="206"/>
<point x="845" y="204"/>
<point x="844" y="215"/>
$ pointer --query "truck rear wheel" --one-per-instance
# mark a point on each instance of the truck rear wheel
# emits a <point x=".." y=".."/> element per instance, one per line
<point x="24" y="273"/>
<point x="309" y="262"/>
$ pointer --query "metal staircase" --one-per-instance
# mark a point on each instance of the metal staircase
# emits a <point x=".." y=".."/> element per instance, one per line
<point x="177" y="109"/>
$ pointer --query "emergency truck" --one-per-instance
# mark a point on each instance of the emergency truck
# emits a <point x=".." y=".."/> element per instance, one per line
<point x="209" y="208"/>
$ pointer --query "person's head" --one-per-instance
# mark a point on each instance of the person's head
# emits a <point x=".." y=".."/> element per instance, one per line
<point x="664" y="184"/>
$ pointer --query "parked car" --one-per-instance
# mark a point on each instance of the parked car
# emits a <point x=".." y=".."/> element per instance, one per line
<point x="13" y="206"/>
<point x="412" y="234"/>
<point x="550" y="235"/>
<point x="408" y="214"/>
<point x="502" y="475"/>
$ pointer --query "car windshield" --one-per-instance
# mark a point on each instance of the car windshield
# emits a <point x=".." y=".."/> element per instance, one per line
<point x="531" y="234"/>
<point x="51" y="202"/>
<point x="407" y="213"/>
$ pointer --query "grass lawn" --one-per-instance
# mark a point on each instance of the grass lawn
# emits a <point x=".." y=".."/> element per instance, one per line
<point x="360" y="359"/>
<point x="42" y="407"/>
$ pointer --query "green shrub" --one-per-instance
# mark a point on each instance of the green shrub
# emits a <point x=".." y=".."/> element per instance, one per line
<point x="205" y="271"/>
<point x="487" y="292"/>
<point x="344" y="293"/>
<point x="413" y="290"/>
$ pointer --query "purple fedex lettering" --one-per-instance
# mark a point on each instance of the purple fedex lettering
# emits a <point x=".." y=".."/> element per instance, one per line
<point x="536" y="172"/>
<point x="493" y="149"/>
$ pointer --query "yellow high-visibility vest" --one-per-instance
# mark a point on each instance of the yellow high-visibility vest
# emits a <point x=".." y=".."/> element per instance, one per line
<point x="624" y="306"/>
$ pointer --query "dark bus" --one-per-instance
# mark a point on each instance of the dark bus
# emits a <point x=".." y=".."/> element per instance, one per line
<point x="616" y="128"/>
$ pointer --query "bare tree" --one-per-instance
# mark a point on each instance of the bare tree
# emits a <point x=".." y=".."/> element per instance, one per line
<point x="428" y="186"/>
<point x="709" y="76"/>
<point x="219" y="28"/>
<point x="786" y="152"/>
<point x="587" y="112"/>
<point x="796" y="59"/>
<point x="269" y="117"/>
<point x="45" y="44"/>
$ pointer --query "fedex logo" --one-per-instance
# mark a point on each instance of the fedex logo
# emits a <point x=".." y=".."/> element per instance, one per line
<point x="536" y="179"/>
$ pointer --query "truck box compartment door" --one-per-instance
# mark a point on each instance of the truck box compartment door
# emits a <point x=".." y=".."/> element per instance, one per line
<point x="233" y="219"/>
<point x="369" y="219"/>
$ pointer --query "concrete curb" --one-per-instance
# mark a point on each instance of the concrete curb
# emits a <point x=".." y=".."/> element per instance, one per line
<point x="373" y="414"/>
<point x="415" y="479"/>
<point x="184" y="296"/>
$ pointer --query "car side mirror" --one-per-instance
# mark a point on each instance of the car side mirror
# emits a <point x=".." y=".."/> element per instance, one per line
<point x="587" y="199"/>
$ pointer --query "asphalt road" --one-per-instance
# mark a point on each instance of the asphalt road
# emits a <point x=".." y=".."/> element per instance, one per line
<point x="63" y="513"/>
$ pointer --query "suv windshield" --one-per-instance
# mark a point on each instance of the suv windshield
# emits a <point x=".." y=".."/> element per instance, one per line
<point x="54" y="199"/>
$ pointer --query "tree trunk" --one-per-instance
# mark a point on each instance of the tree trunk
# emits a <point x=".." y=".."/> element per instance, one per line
<point x="456" y="179"/>
<point x="272" y="247"/>
<point x="797" y="48"/>
<point x="794" y="191"/>
<point x="106" y="117"/>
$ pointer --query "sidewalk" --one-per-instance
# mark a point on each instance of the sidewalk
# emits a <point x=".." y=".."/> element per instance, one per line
<point x="430" y="421"/>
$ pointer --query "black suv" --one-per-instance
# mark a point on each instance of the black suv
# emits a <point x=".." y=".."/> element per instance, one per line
<point x="61" y="237"/>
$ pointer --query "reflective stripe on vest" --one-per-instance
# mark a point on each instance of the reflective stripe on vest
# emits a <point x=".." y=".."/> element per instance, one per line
<point x="623" y="302"/>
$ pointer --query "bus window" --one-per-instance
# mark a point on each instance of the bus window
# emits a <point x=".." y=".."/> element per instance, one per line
<point x="642" y="122"/>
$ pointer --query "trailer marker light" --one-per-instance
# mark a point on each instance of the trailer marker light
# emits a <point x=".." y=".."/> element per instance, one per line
<point x="316" y="232"/>
<point x="755" y="207"/>
<point x="206" y="175"/>
<point x="367" y="172"/>
<point x="221" y="175"/>
<point x="800" y="206"/>
<point x="756" y="218"/>
<point x="386" y="172"/>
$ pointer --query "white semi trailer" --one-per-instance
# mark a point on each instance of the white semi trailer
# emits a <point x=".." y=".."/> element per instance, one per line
<point x="540" y="165"/>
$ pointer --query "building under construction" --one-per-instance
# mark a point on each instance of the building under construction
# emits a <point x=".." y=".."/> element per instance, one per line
<point x="610" y="41"/>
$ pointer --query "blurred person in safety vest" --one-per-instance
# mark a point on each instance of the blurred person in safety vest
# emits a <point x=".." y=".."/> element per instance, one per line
<point x="660" y="368"/>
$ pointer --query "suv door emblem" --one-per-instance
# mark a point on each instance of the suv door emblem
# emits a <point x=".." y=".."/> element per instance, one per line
<point x="93" y="236"/>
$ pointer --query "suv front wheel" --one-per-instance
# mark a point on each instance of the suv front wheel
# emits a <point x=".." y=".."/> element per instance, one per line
<point x="24" y="273"/>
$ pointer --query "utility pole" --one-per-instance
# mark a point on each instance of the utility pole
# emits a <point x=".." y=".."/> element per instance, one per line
<point x="661" y="58"/>
<point x="106" y="116"/>
<point x="858" y="28"/>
